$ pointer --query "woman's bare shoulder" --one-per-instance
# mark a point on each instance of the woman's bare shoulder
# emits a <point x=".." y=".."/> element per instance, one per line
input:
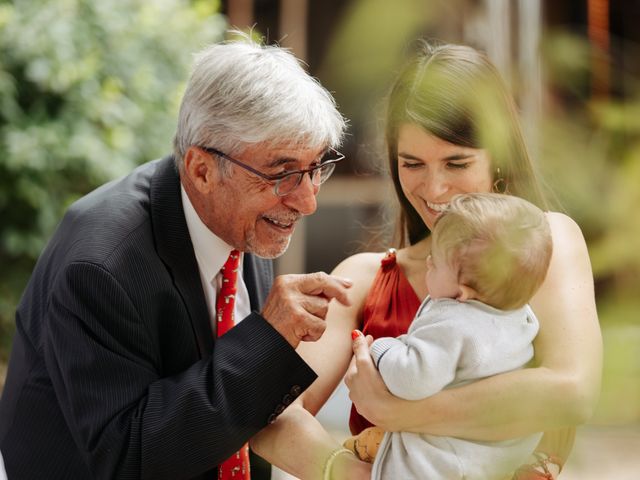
<point x="564" y="230"/>
<point x="361" y="268"/>
<point x="360" y="265"/>
<point x="570" y="266"/>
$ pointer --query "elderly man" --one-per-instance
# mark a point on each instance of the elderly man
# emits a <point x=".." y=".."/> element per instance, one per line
<point x="122" y="365"/>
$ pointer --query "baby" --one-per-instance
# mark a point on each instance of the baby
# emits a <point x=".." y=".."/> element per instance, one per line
<point x="489" y="255"/>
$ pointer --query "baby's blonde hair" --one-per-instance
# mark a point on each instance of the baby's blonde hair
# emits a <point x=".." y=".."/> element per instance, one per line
<point x="500" y="244"/>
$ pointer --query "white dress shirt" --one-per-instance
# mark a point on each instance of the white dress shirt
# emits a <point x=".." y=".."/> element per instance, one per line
<point x="3" y="474"/>
<point x="211" y="254"/>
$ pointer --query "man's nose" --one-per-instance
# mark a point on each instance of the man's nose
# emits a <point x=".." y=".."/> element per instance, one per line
<point x="303" y="197"/>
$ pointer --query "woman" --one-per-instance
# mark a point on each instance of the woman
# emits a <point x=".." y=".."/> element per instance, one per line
<point x="451" y="128"/>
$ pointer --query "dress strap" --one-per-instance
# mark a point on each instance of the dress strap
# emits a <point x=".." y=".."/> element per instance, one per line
<point x="390" y="258"/>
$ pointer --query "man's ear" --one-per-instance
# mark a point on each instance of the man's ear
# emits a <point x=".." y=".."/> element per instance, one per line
<point x="200" y="169"/>
<point x="465" y="292"/>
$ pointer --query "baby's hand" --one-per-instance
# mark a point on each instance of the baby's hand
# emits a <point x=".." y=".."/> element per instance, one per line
<point x="365" y="444"/>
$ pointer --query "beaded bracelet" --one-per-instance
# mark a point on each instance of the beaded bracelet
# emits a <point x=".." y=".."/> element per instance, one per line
<point x="328" y="465"/>
<point x="544" y="459"/>
<point x="539" y="469"/>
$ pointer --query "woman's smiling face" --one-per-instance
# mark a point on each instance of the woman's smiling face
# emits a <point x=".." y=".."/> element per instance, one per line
<point x="432" y="171"/>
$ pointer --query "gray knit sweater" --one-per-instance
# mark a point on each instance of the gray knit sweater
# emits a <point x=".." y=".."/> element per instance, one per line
<point x="450" y="343"/>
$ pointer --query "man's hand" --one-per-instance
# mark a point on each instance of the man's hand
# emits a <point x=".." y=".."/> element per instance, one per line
<point x="297" y="304"/>
<point x="366" y="388"/>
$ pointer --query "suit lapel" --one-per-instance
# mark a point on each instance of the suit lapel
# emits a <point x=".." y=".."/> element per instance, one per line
<point x="176" y="250"/>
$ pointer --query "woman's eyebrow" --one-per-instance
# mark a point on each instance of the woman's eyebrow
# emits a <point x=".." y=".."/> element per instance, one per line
<point x="455" y="156"/>
<point x="408" y="156"/>
<point x="459" y="156"/>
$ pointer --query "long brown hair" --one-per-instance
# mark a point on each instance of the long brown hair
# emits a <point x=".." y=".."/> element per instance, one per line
<point x="455" y="93"/>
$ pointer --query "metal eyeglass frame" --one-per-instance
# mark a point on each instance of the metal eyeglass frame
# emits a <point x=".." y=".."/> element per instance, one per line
<point x="276" y="179"/>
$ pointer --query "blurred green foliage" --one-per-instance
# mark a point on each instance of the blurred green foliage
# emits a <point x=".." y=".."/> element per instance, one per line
<point x="88" y="89"/>
<point x="591" y="157"/>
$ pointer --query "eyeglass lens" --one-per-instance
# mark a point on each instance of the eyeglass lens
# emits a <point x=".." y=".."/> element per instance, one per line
<point x="318" y="176"/>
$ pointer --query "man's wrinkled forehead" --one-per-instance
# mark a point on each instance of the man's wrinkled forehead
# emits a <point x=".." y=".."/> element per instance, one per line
<point x="268" y="155"/>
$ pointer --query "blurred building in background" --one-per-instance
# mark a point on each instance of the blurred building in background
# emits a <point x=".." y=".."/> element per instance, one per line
<point x="355" y="46"/>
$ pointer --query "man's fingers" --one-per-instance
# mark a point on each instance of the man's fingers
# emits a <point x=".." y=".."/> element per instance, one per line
<point x="329" y="286"/>
<point x="316" y="306"/>
<point x="297" y="305"/>
<point x="313" y="328"/>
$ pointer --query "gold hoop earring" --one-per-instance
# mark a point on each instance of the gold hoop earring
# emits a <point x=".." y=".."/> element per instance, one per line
<point x="500" y="185"/>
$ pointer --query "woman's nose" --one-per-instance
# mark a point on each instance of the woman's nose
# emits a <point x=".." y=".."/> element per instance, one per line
<point x="434" y="185"/>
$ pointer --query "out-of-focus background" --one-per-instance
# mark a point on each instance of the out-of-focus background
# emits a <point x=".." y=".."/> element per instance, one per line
<point x="90" y="89"/>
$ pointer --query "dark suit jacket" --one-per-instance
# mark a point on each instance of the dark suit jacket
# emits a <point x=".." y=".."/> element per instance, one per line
<point x="114" y="372"/>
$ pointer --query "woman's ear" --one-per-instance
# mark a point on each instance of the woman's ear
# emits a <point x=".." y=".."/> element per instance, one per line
<point x="465" y="292"/>
<point x="198" y="169"/>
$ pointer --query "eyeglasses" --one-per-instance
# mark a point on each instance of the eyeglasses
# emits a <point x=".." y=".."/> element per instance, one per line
<point x="287" y="182"/>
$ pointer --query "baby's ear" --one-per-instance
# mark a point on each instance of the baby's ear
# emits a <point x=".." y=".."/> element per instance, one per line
<point x="465" y="292"/>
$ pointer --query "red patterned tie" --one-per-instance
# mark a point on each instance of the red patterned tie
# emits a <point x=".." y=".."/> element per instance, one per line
<point x="235" y="467"/>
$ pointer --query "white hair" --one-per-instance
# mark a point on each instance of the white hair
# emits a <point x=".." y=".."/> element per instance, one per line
<point x="242" y="93"/>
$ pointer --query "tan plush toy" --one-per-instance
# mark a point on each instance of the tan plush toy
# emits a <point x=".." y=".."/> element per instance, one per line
<point x="365" y="444"/>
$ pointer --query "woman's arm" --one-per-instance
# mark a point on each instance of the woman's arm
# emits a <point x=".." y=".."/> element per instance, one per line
<point x="296" y="442"/>
<point x="570" y="342"/>
<point x="561" y="391"/>
<point x="299" y="445"/>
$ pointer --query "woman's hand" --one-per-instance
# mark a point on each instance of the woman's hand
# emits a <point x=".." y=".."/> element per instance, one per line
<point x="366" y="387"/>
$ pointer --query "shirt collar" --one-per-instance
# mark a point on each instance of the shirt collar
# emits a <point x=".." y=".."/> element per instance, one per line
<point x="210" y="250"/>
